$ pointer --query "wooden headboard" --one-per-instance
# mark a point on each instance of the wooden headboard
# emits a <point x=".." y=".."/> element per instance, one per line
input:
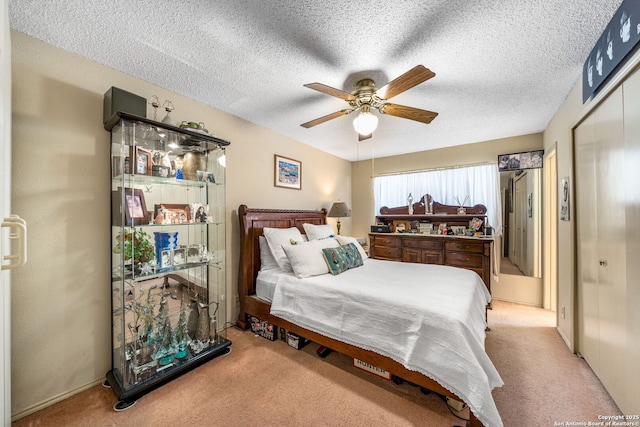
<point x="435" y="207"/>
<point x="252" y="222"/>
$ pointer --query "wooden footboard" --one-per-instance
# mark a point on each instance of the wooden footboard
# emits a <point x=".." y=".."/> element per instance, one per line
<point x="260" y="309"/>
<point x="252" y="222"/>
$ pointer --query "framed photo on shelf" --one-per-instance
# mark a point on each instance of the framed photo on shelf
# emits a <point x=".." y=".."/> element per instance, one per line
<point x="193" y="253"/>
<point x="200" y="212"/>
<point x="425" y="227"/>
<point x="400" y="226"/>
<point x="167" y="213"/>
<point x="165" y="258"/>
<point x="204" y="176"/>
<point x="141" y="160"/>
<point x="134" y="208"/>
<point x="179" y="256"/>
<point x="459" y="230"/>
<point x="288" y="173"/>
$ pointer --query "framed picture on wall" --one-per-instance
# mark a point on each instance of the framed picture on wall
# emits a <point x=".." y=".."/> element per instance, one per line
<point x="519" y="161"/>
<point x="288" y="173"/>
<point x="564" y="199"/>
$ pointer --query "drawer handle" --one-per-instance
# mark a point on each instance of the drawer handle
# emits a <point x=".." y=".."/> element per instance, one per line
<point x="603" y="262"/>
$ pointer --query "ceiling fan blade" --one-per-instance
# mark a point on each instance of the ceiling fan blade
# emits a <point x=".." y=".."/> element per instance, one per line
<point x="330" y="91"/>
<point x="410" y="113"/>
<point x="325" y="118"/>
<point x="411" y="78"/>
<point x="363" y="137"/>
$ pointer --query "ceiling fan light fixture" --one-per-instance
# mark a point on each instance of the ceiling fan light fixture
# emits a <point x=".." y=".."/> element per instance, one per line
<point x="365" y="123"/>
<point x="366" y="96"/>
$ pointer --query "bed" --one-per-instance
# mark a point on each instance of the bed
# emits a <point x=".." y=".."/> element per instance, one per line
<point x="441" y="345"/>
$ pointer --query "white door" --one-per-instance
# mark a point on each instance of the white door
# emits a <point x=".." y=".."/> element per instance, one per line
<point x="611" y="262"/>
<point x="13" y="231"/>
<point x="587" y="240"/>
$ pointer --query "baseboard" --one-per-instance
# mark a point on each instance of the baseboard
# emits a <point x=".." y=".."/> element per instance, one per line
<point x="565" y="339"/>
<point x="39" y="406"/>
<point x="530" y="304"/>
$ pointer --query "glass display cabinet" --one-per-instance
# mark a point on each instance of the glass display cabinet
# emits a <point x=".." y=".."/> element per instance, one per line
<point x="168" y="276"/>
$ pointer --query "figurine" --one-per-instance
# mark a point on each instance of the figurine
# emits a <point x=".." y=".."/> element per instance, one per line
<point x="168" y="106"/>
<point x="410" y="202"/>
<point x="462" y="210"/>
<point x="428" y="203"/>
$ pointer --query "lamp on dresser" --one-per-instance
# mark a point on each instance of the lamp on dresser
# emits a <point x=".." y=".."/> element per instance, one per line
<point x="339" y="210"/>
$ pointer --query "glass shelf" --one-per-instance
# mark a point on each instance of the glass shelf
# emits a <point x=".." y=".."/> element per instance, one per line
<point x="129" y="277"/>
<point x="184" y="224"/>
<point x="158" y="180"/>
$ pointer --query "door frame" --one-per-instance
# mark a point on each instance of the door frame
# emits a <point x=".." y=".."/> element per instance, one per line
<point x="5" y="209"/>
<point x="550" y="231"/>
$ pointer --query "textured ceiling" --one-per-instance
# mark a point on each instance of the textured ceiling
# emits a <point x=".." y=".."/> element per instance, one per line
<point x="502" y="67"/>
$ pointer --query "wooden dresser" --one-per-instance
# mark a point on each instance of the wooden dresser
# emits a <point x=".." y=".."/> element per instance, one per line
<point x="473" y="253"/>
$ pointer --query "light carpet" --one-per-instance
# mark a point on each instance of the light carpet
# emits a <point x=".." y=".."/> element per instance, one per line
<point x="264" y="383"/>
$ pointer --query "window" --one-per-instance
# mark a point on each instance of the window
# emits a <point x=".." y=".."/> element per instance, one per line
<point x="478" y="184"/>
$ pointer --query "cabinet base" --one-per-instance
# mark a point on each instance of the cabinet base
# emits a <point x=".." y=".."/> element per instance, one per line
<point x="126" y="398"/>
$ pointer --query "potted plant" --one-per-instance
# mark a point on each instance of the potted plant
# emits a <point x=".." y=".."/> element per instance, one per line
<point x="135" y="246"/>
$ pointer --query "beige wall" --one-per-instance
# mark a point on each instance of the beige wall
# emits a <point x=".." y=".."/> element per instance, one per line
<point x="61" y="298"/>
<point x="559" y="133"/>
<point x="526" y="290"/>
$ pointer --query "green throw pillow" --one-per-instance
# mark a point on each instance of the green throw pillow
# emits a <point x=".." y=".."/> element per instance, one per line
<point x="342" y="258"/>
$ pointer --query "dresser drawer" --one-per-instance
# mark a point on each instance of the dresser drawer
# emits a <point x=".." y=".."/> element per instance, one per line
<point x="460" y="259"/>
<point x="464" y="247"/>
<point x="423" y="243"/>
<point x="395" y="242"/>
<point x="387" y="252"/>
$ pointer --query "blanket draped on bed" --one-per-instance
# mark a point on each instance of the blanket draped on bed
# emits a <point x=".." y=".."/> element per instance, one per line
<point x="429" y="318"/>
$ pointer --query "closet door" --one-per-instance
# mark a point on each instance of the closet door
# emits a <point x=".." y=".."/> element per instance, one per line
<point x="611" y="193"/>
<point x="602" y="235"/>
<point x="587" y="242"/>
<point x="631" y="93"/>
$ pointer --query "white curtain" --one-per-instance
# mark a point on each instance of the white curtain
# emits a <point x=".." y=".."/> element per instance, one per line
<point x="478" y="184"/>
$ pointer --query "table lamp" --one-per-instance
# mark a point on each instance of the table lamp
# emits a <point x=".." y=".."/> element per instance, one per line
<point x="339" y="210"/>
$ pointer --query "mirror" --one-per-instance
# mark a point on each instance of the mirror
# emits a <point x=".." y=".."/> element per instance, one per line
<point x="521" y="246"/>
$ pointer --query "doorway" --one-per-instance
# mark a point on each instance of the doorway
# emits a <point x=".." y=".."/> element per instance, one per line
<point x="550" y="232"/>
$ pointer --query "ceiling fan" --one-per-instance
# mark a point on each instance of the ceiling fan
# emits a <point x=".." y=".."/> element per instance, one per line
<point x="367" y="96"/>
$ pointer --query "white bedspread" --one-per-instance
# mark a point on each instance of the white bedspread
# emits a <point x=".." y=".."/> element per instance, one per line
<point x="429" y="318"/>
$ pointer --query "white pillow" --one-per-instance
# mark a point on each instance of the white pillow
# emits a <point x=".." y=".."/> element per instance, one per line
<point x="317" y="232"/>
<point x="276" y="238"/>
<point x="307" y="259"/>
<point x="267" y="261"/>
<point x="345" y="240"/>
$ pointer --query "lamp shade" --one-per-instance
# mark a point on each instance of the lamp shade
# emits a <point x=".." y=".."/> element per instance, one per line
<point x="365" y="123"/>
<point x="339" y="210"/>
